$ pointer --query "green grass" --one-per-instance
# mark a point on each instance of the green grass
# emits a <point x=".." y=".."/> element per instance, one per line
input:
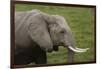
<point x="81" y="21"/>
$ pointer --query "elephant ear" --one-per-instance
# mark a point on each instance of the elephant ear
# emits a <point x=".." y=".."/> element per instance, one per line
<point x="38" y="31"/>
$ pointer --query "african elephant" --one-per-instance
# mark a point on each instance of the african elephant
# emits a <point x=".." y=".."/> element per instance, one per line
<point x="37" y="32"/>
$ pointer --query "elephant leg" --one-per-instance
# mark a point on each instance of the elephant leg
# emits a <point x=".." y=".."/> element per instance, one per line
<point x="41" y="58"/>
<point x="22" y="59"/>
<point x="23" y="56"/>
<point x="70" y="56"/>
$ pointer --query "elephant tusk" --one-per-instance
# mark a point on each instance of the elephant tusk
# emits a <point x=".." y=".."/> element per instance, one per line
<point x="82" y="49"/>
<point x="78" y="49"/>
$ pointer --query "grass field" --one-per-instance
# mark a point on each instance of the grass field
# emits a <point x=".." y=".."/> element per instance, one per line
<point x="81" y="21"/>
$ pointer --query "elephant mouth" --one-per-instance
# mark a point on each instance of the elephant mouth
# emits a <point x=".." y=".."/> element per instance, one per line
<point x="48" y="50"/>
<point x="55" y="48"/>
<point x="72" y="48"/>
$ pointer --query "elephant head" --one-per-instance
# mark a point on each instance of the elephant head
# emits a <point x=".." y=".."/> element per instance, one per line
<point x="52" y="31"/>
<point x="60" y="32"/>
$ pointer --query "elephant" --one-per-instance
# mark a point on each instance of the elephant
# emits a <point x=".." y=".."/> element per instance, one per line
<point x="37" y="33"/>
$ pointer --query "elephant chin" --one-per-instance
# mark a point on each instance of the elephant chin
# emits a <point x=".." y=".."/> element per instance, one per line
<point x="75" y="49"/>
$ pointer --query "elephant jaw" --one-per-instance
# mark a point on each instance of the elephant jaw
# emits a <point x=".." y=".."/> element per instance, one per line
<point x="77" y="49"/>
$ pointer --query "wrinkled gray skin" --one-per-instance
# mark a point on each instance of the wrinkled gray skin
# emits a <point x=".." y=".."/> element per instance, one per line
<point x="37" y="32"/>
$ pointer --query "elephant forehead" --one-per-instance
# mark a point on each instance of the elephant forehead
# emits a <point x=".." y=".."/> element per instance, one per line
<point x="62" y="24"/>
<point x="60" y="21"/>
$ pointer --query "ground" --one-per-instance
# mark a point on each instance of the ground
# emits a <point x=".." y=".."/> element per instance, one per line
<point x="81" y="22"/>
